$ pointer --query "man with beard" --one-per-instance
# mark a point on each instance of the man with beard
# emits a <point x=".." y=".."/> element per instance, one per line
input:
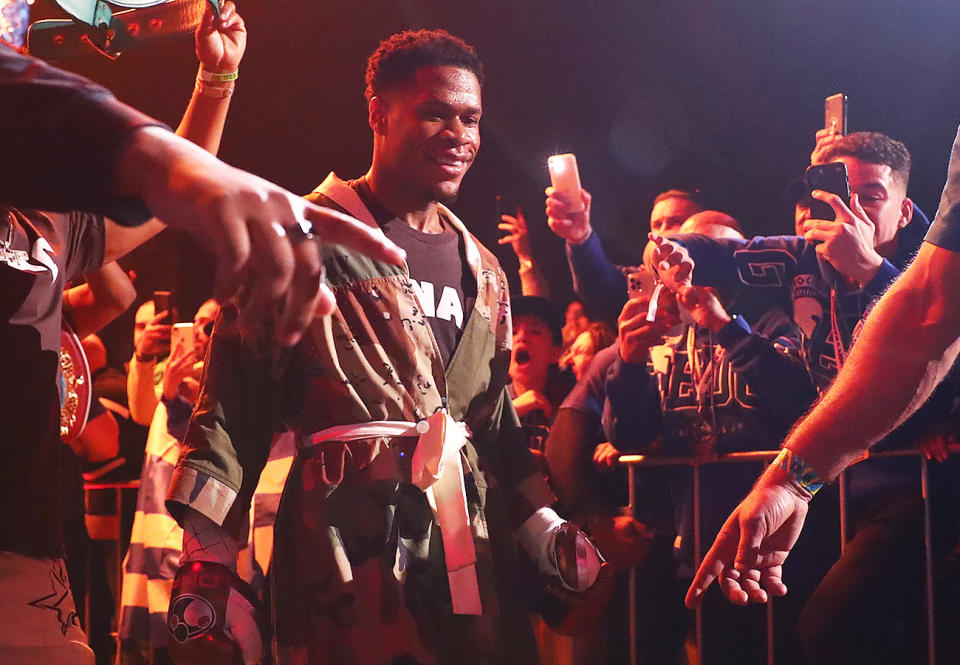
<point x="393" y="541"/>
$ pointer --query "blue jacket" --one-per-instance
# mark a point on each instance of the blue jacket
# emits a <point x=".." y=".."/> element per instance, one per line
<point x="781" y="271"/>
<point x="761" y="387"/>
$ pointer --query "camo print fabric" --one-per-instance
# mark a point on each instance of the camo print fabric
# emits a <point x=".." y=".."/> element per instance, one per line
<point x="359" y="572"/>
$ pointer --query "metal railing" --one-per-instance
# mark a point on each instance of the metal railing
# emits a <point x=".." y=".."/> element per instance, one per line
<point x="631" y="462"/>
<point x="111" y="529"/>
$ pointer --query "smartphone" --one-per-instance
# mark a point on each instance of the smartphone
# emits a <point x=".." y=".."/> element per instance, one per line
<point x="640" y="282"/>
<point x="565" y="178"/>
<point x="835" y="112"/>
<point x="162" y="303"/>
<point x="831" y="178"/>
<point x="181" y="335"/>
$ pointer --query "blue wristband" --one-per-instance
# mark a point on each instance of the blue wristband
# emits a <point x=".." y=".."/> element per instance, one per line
<point x="801" y="472"/>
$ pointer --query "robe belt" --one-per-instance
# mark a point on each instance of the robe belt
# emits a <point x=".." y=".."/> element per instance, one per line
<point x="437" y="469"/>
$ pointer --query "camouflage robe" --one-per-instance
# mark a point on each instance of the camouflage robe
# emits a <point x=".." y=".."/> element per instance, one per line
<point x="359" y="575"/>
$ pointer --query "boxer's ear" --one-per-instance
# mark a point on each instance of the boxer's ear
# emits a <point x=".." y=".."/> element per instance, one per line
<point x="377" y="115"/>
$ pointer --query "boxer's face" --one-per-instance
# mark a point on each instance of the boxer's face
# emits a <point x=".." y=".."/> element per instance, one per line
<point x="430" y="129"/>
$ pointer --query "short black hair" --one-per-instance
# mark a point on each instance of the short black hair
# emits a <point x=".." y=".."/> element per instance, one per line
<point x="399" y="56"/>
<point x="542" y="309"/>
<point x="873" y="148"/>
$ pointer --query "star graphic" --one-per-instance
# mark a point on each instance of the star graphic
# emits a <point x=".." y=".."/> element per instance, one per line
<point x="59" y="600"/>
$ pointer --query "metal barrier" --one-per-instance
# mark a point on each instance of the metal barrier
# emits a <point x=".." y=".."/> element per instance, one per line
<point x="765" y="456"/>
<point x="108" y="528"/>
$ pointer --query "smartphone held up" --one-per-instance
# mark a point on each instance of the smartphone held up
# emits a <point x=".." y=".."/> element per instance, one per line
<point x="835" y="113"/>
<point x="181" y="335"/>
<point x="565" y="178"/>
<point x="831" y="178"/>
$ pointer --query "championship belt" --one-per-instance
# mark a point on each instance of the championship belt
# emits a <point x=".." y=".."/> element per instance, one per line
<point x="96" y="27"/>
<point x="74" y="384"/>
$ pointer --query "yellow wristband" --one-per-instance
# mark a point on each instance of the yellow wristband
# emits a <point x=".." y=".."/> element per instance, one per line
<point x="210" y="77"/>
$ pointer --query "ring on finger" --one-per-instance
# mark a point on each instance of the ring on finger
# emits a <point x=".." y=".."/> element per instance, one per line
<point x="299" y="232"/>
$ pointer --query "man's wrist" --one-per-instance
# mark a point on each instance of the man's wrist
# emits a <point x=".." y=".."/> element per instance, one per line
<point x="716" y="323"/>
<point x="218" y="75"/>
<point x="582" y="237"/>
<point x="205" y="540"/>
<point x="869" y="268"/>
<point x="790" y="470"/>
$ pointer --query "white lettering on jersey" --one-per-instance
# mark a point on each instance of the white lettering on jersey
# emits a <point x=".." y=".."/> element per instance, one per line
<point x="426" y="294"/>
<point x="449" y="307"/>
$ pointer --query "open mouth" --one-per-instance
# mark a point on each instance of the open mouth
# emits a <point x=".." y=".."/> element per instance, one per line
<point x="522" y="357"/>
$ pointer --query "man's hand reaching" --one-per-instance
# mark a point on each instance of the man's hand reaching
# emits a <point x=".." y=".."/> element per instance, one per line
<point x="670" y="262"/>
<point x="748" y="553"/>
<point x="257" y="230"/>
<point x="517" y="235"/>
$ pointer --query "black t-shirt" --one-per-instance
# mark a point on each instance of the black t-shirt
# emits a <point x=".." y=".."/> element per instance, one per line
<point x="441" y="276"/>
<point x="62" y="136"/>
<point x="46" y="250"/>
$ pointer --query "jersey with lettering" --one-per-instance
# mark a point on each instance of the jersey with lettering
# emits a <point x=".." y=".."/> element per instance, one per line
<point x="438" y="271"/>
<point x="752" y="386"/>
<point x="786" y="271"/>
<point x="39" y="253"/>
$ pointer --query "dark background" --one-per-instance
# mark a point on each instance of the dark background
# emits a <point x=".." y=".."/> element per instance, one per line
<point x="721" y="95"/>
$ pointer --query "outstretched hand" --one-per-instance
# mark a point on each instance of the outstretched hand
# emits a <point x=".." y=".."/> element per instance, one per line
<point x="517" y="235"/>
<point x="670" y="262"/>
<point x="748" y="553"/>
<point x="254" y="228"/>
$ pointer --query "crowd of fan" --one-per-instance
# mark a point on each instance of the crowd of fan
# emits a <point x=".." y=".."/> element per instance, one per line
<point x="726" y="361"/>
